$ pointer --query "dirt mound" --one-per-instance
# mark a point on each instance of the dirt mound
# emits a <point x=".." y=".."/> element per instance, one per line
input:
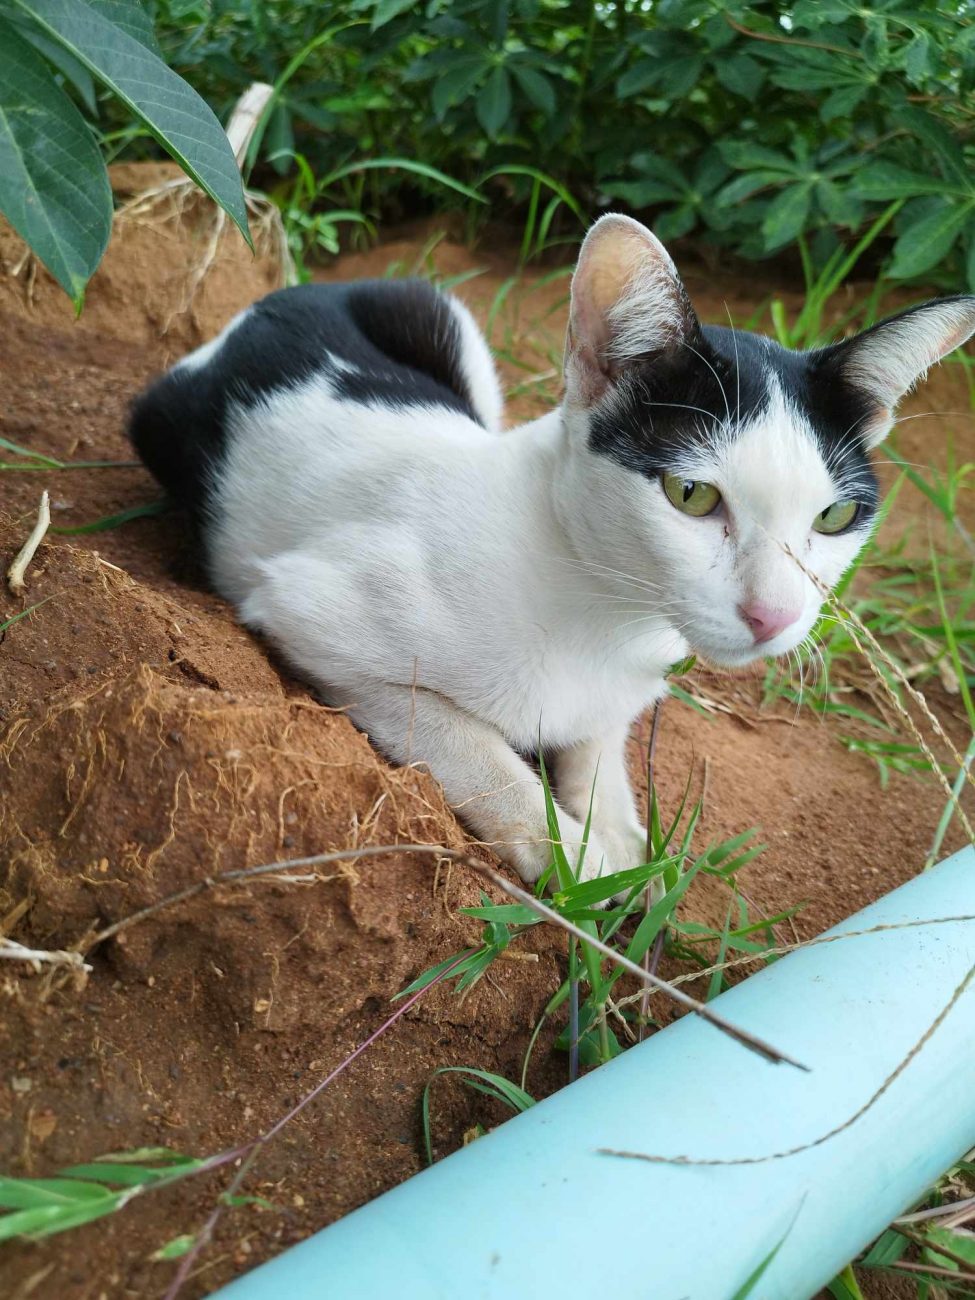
<point x="146" y="290"/>
<point x="147" y="742"/>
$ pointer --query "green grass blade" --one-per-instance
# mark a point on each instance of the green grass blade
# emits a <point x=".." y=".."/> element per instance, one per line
<point x="149" y="509"/>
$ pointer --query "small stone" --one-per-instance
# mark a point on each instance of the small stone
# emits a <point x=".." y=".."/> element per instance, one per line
<point x="20" y="1083"/>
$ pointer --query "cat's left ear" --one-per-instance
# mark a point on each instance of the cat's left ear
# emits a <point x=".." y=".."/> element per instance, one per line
<point x="886" y="361"/>
<point x="628" y="303"/>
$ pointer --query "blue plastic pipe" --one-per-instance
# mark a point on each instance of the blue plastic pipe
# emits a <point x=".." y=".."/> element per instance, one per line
<point x="533" y="1210"/>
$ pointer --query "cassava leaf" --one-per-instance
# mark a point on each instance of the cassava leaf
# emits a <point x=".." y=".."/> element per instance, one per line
<point x="172" y="111"/>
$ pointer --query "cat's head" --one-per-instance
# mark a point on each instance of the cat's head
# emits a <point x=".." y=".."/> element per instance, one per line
<point x="703" y="462"/>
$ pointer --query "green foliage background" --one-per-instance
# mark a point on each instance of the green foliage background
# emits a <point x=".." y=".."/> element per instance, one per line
<point x="748" y="124"/>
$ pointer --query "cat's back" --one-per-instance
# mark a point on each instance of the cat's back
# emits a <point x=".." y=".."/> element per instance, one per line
<point x="365" y="346"/>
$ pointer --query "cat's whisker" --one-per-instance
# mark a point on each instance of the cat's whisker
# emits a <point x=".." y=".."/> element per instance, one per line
<point x="717" y="377"/>
<point x="734" y="339"/>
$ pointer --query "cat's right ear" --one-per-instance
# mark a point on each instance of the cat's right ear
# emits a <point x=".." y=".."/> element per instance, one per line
<point x="628" y="303"/>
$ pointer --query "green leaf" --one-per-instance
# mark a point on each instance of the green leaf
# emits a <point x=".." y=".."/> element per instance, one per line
<point x="387" y="10"/>
<point x="54" y="189"/>
<point x="657" y="917"/>
<point x="428" y="976"/>
<point x="678" y="221"/>
<point x="68" y="66"/>
<point x="887" y="180"/>
<point x="929" y="240"/>
<point x="107" y="522"/>
<point x="743" y="187"/>
<point x="917" y="58"/>
<point x="33" y="1193"/>
<point x="506" y="913"/>
<point x="175" y="115"/>
<point x="24" y="613"/>
<point x="128" y="1175"/>
<point x="744" y="155"/>
<point x="492" y="1085"/>
<point x="958" y="1243"/>
<point x="740" y="73"/>
<point x="174" y="1249"/>
<point x="406" y="165"/>
<point x="786" y="216"/>
<point x="537" y="88"/>
<point x="842" y="101"/>
<point x="131" y="18"/>
<point x="493" y="103"/>
<point x="456" y="83"/>
<point x="640" y="77"/>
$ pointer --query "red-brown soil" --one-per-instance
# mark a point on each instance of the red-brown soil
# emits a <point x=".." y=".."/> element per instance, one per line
<point x="147" y="742"/>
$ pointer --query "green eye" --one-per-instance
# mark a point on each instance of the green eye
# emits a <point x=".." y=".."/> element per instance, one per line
<point x="691" y="497"/>
<point x="837" y="517"/>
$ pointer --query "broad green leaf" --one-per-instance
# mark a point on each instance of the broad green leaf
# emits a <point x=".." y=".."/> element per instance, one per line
<point x="641" y="194"/>
<point x="387" y="10"/>
<point x="887" y="180"/>
<point x="917" y="58"/>
<point x="537" y="88"/>
<point x="640" y="77"/>
<point x="842" y="101"/>
<point x="743" y="187"/>
<point x="740" y="73"/>
<point x="748" y="156"/>
<point x="131" y="17"/>
<point x="494" y="101"/>
<point x="172" y="111"/>
<point x="786" y="216"/>
<point x="54" y="189"/>
<point x="454" y="85"/>
<point x="675" y="223"/>
<point x="924" y="244"/>
<point x="68" y="66"/>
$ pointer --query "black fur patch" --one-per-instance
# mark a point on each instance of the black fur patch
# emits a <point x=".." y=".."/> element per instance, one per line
<point x="670" y="401"/>
<point x="399" y="338"/>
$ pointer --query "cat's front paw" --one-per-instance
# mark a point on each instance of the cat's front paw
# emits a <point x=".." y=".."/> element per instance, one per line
<point x="623" y="847"/>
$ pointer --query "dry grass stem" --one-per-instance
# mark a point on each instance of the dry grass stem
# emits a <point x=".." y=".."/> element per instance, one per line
<point x="742" y="1036"/>
<point x="17" y="570"/>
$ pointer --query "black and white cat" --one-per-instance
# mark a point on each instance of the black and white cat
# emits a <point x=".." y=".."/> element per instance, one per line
<point x="463" y="590"/>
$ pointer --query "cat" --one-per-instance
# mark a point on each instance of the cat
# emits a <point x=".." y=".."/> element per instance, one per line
<point x="462" y="591"/>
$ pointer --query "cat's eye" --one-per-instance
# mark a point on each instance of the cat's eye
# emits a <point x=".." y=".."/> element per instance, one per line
<point x="837" y="517"/>
<point x="690" y="496"/>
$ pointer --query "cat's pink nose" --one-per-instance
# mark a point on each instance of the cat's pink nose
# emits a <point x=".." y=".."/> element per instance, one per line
<point x="766" y="622"/>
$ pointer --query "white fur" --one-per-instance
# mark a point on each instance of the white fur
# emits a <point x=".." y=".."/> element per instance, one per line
<point x="464" y="594"/>
<point x="203" y="355"/>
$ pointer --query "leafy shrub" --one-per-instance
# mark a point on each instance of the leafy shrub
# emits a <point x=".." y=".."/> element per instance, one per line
<point x="752" y="124"/>
<point x="54" y="188"/>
